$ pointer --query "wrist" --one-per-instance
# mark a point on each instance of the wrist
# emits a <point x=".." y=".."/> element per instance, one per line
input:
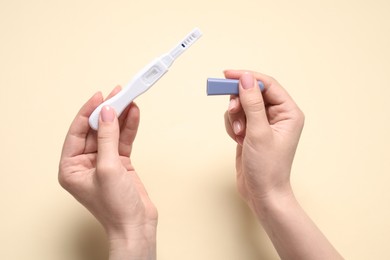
<point x="274" y="201"/>
<point x="135" y="243"/>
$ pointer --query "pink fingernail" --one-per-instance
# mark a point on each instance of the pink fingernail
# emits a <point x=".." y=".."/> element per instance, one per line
<point x="247" y="80"/>
<point x="232" y="104"/>
<point x="237" y="127"/>
<point x="108" y="114"/>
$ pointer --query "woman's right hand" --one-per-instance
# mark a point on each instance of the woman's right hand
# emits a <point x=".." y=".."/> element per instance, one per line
<point x="266" y="126"/>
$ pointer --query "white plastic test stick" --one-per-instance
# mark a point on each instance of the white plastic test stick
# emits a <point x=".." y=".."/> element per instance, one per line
<point x="144" y="79"/>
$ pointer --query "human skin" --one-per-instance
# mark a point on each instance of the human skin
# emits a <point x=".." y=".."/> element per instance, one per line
<point x="267" y="127"/>
<point x="95" y="167"/>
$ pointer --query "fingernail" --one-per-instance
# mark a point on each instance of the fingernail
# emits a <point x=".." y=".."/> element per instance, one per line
<point x="108" y="114"/>
<point x="247" y="80"/>
<point x="232" y="104"/>
<point x="237" y="127"/>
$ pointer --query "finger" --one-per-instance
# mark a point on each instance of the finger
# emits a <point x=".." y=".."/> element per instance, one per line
<point x="236" y="74"/>
<point x="108" y="138"/>
<point x="253" y="104"/>
<point x="123" y="116"/>
<point x="91" y="137"/>
<point x="273" y="94"/>
<point x="229" y="129"/>
<point x="234" y="104"/>
<point x="228" y="126"/>
<point x="236" y="116"/>
<point x="235" y="120"/>
<point x="280" y="104"/>
<point x="113" y="92"/>
<point x="75" y="140"/>
<point x="129" y="130"/>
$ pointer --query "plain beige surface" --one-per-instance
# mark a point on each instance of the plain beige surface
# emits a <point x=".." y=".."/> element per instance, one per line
<point x="332" y="56"/>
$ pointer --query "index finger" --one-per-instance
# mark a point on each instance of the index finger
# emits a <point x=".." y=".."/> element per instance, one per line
<point x="273" y="93"/>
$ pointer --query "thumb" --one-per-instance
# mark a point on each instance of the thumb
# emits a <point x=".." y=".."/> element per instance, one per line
<point x="252" y="103"/>
<point x="108" y="138"/>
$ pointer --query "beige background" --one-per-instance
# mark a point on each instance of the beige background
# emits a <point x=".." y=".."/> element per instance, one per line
<point x="332" y="56"/>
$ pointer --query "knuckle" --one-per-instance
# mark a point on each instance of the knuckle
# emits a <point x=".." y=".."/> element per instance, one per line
<point x="103" y="136"/>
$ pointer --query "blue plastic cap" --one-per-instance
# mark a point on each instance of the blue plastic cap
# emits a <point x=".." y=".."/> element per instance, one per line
<point x="225" y="86"/>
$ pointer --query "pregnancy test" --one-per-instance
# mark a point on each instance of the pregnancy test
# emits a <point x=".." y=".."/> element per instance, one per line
<point x="144" y="79"/>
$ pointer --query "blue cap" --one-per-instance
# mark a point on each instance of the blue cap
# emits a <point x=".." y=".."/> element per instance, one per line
<point x="225" y="86"/>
